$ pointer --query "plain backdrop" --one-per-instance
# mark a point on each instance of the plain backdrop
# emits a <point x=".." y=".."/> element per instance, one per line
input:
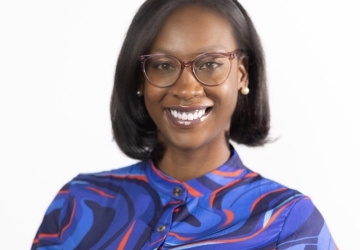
<point x="57" y="61"/>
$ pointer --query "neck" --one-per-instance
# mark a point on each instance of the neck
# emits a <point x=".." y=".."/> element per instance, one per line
<point x="186" y="164"/>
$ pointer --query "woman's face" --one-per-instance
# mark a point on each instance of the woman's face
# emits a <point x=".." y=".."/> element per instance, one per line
<point x="205" y="111"/>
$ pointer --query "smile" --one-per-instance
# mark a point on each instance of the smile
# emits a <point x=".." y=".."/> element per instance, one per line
<point x="188" y="116"/>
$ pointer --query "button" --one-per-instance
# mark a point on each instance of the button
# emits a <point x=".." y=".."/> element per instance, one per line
<point x="177" y="191"/>
<point x="161" y="228"/>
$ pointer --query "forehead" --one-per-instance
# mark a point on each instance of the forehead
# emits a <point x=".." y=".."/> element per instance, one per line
<point x="191" y="30"/>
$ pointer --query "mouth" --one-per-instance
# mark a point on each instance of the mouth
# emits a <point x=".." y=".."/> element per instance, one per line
<point x="189" y="117"/>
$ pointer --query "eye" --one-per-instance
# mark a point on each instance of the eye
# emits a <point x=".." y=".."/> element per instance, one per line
<point x="211" y="65"/>
<point x="161" y="64"/>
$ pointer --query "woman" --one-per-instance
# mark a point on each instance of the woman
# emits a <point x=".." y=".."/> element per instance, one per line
<point x="190" y="77"/>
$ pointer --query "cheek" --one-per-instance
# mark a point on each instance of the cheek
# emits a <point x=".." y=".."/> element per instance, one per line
<point x="152" y="98"/>
<point x="229" y="93"/>
<point x="149" y="93"/>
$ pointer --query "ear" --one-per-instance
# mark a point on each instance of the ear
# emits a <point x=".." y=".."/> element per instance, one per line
<point x="141" y="85"/>
<point x="243" y="77"/>
<point x="140" y="90"/>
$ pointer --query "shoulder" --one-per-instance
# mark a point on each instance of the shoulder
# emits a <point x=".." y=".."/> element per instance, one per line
<point x="270" y="194"/>
<point x="134" y="169"/>
<point x="99" y="186"/>
<point x="295" y="205"/>
<point x="300" y="222"/>
<point x="258" y="185"/>
<point x="304" y="226"/>
<point x="101" y="182"/>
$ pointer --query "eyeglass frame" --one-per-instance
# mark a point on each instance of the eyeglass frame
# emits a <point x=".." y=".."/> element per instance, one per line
<point x="230" y="55"/>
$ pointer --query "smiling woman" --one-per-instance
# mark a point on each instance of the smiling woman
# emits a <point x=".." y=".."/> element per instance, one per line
<point x="186" y="34"/>
<point x="190" y="77"/>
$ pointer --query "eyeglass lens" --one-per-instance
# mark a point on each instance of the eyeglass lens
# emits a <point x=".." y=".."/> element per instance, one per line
<point x="164" y="70"/>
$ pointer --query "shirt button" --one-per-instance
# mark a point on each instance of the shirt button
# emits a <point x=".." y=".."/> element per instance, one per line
<point x="177" y="191"/>
<point x="161" y="228"/>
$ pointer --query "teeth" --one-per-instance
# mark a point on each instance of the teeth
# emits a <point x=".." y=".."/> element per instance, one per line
<point x="197" y="114"/>
<point x="174" y="113"/>
<point x="190" y="117"/>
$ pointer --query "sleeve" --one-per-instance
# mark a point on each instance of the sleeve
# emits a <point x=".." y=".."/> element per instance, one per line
<point x="56" y="218"/>
<point x="305" y="228"/>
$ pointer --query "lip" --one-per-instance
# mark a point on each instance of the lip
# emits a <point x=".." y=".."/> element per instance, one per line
<point x="188" y="109"/>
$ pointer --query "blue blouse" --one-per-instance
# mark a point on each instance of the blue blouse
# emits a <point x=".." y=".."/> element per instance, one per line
<point x="139" y="207"/>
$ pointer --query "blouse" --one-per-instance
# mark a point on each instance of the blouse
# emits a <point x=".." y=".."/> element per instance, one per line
<point x="139" y="207"/>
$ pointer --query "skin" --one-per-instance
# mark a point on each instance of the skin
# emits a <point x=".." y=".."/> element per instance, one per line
<point x="193" y="151"/>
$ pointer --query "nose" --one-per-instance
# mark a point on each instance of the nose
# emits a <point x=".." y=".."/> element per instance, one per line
<point x="187" y="86"/>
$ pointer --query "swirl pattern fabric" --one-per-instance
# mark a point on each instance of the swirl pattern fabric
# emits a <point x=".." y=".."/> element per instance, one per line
<point x="139" y="207"/>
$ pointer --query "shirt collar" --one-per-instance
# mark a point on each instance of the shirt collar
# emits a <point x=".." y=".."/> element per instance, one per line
<point x="230" y="172"/>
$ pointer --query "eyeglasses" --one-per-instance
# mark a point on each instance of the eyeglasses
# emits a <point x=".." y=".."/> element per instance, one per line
<point x="209" y="69"/>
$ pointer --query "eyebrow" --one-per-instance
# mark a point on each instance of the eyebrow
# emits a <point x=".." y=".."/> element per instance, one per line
<point x="215" y="48"/>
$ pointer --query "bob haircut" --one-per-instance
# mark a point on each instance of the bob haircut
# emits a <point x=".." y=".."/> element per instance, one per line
<point x="133" y="129"/>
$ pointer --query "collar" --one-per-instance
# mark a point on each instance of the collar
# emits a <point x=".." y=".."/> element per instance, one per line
<point x="229" y="173"/>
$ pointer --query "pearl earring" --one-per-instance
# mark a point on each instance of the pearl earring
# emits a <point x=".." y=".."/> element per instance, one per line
<point x="244" y="90"/>
<point x="139" y="93"/>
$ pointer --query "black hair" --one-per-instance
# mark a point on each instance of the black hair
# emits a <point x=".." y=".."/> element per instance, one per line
<point x="133" y="129"/>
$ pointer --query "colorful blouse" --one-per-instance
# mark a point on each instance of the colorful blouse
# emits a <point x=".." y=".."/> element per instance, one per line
<point x="139" y="207"/>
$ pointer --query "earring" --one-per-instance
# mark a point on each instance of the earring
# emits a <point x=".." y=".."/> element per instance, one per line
<point x="139" y="93"/>
<point x="244" y="90"/>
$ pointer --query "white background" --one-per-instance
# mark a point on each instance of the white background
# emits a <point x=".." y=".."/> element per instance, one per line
<point x="57" y="61"/>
